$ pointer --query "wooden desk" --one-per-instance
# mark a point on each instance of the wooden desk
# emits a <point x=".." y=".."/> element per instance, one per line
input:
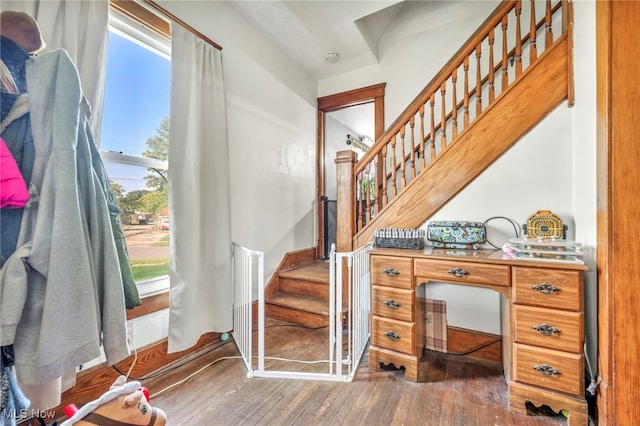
<point x="542" y="319"/>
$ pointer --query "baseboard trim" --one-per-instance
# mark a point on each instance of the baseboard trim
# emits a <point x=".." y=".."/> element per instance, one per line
<point x="471" y="343"/>
<point x="93" y="382"/>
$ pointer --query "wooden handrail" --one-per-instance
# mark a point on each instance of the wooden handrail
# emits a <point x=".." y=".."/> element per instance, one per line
<point x="440" y="114"/>
<point x="455" y="61"/>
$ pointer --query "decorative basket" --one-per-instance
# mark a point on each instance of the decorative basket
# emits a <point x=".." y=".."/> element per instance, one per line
<point x="399" y="238"/>
<point x="544" y="224"/>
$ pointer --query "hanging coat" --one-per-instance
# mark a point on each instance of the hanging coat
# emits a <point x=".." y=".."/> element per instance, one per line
<point x="75" y="301"/>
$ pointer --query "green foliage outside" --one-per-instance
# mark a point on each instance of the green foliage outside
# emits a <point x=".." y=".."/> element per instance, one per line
<point x="155" y="197"/>
<point x="164" y="242"/>
<point x="152" y="200"/>
<point x="144" y="269"/>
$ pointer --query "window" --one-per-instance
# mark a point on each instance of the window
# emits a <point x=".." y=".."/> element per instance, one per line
<point x="134" y="143"/>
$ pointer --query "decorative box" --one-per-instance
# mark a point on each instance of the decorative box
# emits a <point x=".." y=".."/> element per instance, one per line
<point x="456" y="234"/>
<point x="399" y="238"/>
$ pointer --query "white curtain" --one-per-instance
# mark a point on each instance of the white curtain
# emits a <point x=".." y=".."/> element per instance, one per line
<point x="200" y="236"/>
<point x="81" y="28"/>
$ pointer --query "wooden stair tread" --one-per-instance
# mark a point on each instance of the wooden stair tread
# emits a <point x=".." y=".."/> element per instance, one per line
<point x="302" y="303"/>
<point x="313" y="272"/>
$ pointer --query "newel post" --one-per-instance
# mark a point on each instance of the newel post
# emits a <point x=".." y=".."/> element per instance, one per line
<point x="346" y="200"/>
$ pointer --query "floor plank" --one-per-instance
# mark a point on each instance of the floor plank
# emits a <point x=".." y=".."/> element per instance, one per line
<point x="458" y="391"/>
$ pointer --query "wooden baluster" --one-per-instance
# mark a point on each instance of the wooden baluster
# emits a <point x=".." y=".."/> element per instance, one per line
<point x="466" y="92"/>
<point x="432" y="133"/>
<point x="364" y="197"/>
<point x="518" y="39"/>
<point x="373" y="210"/>
<point x="381" y="176"/>
<point x="505" y="59"/>
<point x="478" y="80"/>
<point x="394" y="189"/>
<point x="366" y="193"/>
<point x="443" y="118"/>
<point x="454" y="105"/>
<point x="412" y="156"/>
<point x="422" y="136"/>
<point x="403" y="175"/>
<point x="547" y="24"/>
<point x="492" y="92"/>
<point x="533" y="50"/>
<point x="385" y="197"/>
<point x="567" y="28"/>
<point x="360" y="222"/>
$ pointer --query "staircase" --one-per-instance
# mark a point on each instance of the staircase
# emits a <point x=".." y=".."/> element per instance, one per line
<point x="513" y="71"/>
<point x="303" y="296"/>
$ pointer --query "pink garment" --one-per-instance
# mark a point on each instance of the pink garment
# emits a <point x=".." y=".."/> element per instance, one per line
<point x="13" y="190"/>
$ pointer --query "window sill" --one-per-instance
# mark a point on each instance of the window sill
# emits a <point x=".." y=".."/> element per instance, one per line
<point x="154" y="295"/>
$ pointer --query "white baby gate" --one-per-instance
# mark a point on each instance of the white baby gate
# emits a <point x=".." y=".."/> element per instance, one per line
<point x="348" y="331"/>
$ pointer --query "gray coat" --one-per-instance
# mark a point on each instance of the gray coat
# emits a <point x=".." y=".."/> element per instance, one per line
<point x="74" y="286"/>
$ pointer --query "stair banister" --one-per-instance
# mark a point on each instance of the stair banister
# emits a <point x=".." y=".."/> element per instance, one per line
<point x="496" y="17"/>
<point x="390" y="164"/>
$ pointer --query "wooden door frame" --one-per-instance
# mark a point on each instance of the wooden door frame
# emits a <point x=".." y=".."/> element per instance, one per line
<point x="326" y="104"/>
<point x="617" y="257"/>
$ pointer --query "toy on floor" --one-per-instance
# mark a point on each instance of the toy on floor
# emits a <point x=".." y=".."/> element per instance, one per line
<point x="124" y="404"/>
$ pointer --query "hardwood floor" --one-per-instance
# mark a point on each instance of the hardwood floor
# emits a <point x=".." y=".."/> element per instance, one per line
<point x="459" y="391"/>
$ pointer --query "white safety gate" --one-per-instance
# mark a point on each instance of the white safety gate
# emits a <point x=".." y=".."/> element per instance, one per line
<point x="247" y="272"/>
<point x="349" y="319"/>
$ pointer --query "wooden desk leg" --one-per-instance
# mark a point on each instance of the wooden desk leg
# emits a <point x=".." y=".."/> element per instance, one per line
<point x="577" y="407"/>
<point x="410" y="363"/>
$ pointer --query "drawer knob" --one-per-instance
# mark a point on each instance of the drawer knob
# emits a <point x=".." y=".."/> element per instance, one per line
<point x="392" y="304"/>
<point x="458" y="272"/>
<point x="391" y="272"/>
<point x="545" y="329"/>
<point x="391" y="335"/>
<point x="545" y="288"/>
<point x="546" y="370"/>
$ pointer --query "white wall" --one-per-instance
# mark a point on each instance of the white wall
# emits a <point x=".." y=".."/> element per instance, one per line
<point x="271" y="114"/>
<point x="335" y="139"/>
<point x="584" y="149"/>
<point x="416" y="45"/>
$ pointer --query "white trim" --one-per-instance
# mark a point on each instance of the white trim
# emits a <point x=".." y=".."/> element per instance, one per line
<point x="153" y="286"/>
<point x="133" y="160"/>
<point x="140" y="34"/>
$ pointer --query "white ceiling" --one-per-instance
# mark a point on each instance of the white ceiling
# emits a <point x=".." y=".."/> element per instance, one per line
<point x="307" y="30"/>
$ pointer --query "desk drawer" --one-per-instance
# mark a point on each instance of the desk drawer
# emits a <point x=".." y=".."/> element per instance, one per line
<point x="453" y="271"/>
<point x="554" y="329"/>
<point x="393" y="303"/>
<point x="392" y="271"/>
<point x="548" y="288"/>
<point x="394" y="335"/>
<point x="555" y="370"/>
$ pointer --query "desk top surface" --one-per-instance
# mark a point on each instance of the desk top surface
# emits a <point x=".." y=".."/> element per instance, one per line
<point x="480" y="256"/>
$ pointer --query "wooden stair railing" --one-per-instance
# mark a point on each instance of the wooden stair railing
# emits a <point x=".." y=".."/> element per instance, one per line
<point x="462" y="92"/>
